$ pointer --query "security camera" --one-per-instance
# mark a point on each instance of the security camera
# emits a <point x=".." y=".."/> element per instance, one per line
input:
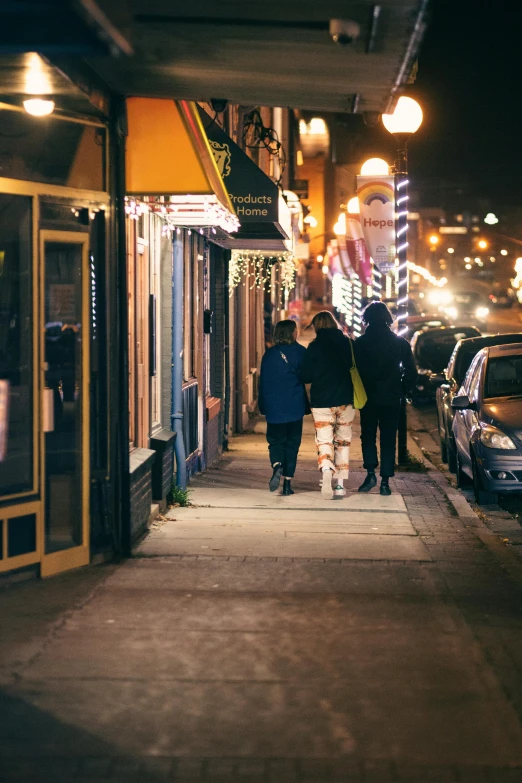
<point x="344" y="31"/>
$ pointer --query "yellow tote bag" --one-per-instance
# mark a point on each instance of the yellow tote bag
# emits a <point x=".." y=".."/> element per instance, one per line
<point x="359" y="394"/>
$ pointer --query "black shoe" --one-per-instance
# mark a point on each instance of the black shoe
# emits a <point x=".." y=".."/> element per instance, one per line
<point x="287" y="487"/>
<point x="276" y="477"/>
<point x="385" y="487"/>
<point x="369" y="483"/>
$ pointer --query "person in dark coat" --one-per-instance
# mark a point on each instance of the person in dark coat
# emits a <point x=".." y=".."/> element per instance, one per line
<point x="282" y="400"/>
<point x="327" y="367"/>
<point x="388" y="373"/>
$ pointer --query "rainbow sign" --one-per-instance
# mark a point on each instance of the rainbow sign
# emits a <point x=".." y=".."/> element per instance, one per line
<point x="377" y="216"/>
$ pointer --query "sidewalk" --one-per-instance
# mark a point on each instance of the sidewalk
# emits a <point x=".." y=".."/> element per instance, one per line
<point x="260" y="638"/>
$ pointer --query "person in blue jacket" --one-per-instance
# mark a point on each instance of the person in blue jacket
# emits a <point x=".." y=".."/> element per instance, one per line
<point x="283" y="401"/>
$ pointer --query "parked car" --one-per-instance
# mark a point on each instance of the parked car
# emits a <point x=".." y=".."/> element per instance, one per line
<point x="502" y="297"/>
<point x="461" y="358"/>
<point x="467" y="307"/>
<point x="487" y="425"/>
<point x="420" y="323"/>
<point x="432" y="350"/>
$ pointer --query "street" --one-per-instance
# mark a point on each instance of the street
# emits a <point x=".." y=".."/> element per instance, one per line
<point x="254" y="637"/>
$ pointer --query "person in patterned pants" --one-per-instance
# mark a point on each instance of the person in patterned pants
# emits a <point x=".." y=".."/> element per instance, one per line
<point x="326" y="366"/>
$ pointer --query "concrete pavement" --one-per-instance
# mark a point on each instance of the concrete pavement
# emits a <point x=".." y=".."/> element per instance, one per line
<point x="261" y="638"/>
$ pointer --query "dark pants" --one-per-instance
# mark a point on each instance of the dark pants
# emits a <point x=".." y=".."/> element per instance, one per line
<point x="283" y="444"/>
<point x="386" y="417"/>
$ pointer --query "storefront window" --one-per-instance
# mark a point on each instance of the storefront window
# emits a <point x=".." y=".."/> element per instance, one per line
<point x="52" y="150"/>
<point x="16" y="346"/>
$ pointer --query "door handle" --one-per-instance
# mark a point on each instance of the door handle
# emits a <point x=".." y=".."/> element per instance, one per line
<point x="48" y="409"/>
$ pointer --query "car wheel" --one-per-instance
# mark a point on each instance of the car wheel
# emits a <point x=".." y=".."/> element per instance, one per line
<point x="462" y="479"/>
<point x="482" y="496"/>
<point x="443" y="445"/>
<point x="451" y="448"/>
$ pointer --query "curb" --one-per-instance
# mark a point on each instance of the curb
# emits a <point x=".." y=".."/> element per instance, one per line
<point x="504" y="555"/>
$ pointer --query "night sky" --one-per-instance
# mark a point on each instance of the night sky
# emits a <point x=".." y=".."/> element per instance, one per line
<point x="469" y="148"/>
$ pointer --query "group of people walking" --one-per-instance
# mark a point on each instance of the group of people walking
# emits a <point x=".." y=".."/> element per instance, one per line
<point x="385" y="365"/>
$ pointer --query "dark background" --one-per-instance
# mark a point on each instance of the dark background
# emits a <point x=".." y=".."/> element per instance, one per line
<point x="468" y="151"/>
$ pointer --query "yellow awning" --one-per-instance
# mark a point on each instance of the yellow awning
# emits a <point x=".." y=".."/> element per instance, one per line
<point x="169" y="164"/>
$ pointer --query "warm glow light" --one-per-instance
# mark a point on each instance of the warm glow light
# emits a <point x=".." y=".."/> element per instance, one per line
<point x="451" y="249"/>
<point x="375" y="167"/>
<point x="325" y="269"/>
<point x="483" y="244"/>
<point x="491" y="219"/>
<point x="320" y="259"/>
<point x="38" y="107"/>
<point x="468" y="266"/>
<point x="434" y="239"/>
<point x="503" y="252"/>
<point x="310" y="221"/>
<point x="353" y="206"/>
<point x="406" y="118"/>
<point x="340" y="227"/>
<point x="467" y="258"/>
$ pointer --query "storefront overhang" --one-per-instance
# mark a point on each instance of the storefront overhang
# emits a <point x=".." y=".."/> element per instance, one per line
<point x="270" y="54"/>
<point x="266" y="221"/>
<point x="170" y="167"/>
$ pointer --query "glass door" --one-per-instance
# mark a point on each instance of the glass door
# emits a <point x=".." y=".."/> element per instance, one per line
<point x="65" y="399"/>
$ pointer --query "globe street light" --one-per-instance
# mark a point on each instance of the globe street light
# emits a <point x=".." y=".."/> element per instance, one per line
<point x="405" y="120"/>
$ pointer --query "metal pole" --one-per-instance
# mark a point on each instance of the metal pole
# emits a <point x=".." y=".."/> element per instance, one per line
<point x="401" y="249"/>
<point x="177" y="360"/>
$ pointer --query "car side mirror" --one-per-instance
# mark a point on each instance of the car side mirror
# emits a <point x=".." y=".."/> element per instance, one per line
<point x="461" y="403"/>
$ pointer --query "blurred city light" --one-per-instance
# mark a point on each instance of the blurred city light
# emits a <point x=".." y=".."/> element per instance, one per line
<point x="310" y="221"/>
<point x="468" y="266"/>
<point x="353" y="206"/>
<point x="340" y="227"/>
<point x="491" y="219"/>
<point x="503" y="252"/>
<point x="375" y="167"/>
<point x="434" y="239"/>
<point x="482" y="244"/>
<point x="451" y="249"/>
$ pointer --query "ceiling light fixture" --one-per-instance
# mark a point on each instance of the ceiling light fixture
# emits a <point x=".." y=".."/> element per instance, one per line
<point x="38" y="107"/>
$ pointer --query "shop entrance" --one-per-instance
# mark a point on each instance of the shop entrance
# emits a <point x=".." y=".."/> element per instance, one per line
<point x="65" y="335"/>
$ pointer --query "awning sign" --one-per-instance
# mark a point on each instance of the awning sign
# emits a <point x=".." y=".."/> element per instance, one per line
<point x="254" y="196"/>
<point x="377" y="215"/>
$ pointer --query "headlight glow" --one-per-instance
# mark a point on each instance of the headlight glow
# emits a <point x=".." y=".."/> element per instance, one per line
<point x="482" y="312"/>
<point x="494" y="438"/>
<point x="451" y="311"/>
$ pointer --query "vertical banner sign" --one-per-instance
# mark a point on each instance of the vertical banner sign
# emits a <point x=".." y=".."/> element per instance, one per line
<point x="377" y="213"/>
<point x="355" y="248"/>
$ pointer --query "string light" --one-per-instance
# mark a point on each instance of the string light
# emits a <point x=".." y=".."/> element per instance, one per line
<point x="258" y="266"/>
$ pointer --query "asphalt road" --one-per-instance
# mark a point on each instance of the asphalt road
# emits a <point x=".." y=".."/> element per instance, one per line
<point x="504" y="320"/>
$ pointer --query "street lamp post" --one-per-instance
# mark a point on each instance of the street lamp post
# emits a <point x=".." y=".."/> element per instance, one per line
<point x="405" y="120"/>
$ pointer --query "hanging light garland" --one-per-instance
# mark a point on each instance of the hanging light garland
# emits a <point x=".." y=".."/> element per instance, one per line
<point x="249" y="262"/>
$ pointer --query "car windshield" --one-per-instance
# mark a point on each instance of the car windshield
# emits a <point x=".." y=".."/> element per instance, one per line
<point x="433" y="351"/>
<point x="504" y="376"/>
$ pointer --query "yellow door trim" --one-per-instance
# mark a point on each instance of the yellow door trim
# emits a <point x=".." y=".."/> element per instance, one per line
<point x="77" y="556"/>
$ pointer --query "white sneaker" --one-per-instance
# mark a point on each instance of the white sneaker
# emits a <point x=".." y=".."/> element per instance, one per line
<point x="339" y="492"/>
<point x="326" y="487"/>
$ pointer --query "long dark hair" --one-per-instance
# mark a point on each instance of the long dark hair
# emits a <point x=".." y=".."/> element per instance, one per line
<point x="285" y="332"/>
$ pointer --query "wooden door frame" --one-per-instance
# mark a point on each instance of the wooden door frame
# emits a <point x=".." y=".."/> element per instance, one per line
<point x="74" y="557"/>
